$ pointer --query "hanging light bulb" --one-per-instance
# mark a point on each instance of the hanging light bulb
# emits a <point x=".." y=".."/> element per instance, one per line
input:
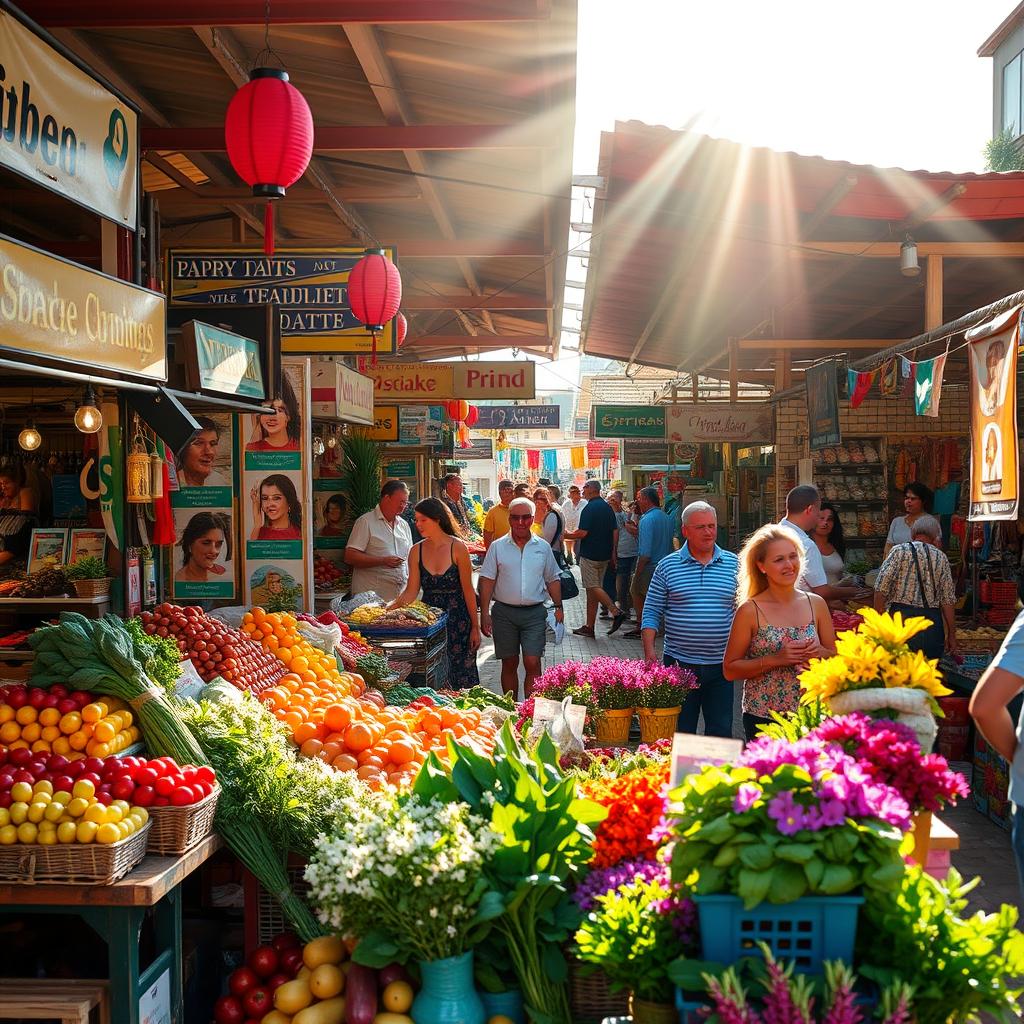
<point x="30" y="438"/>
<point x="908" y="258"/>
<point x="88" y="418"/>
<point x="318" y="446"/>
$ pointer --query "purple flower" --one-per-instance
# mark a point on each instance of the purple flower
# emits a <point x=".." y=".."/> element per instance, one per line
<point x="746" y="796"/>
<point x="604" y="880"/>
<point x="832" y="812"/>
<point x="787" y="812"/>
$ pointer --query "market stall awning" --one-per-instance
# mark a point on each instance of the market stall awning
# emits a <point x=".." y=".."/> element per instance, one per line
<point x="706" y="252"/>
<point x="443" y="129"/>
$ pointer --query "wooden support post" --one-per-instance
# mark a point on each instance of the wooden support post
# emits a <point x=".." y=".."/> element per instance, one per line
<point x="108" y="247"/>
<point x="734" y="369"/>
<point x="238" y="231"/>
<point x="933" y="294"/>
<point x="695" y="385"/>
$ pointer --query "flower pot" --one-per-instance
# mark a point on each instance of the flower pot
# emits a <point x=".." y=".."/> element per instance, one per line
<point x="448" y="995"/>
<point x="658" y="723"/>
<point x="612" y="727"/>
<point x="645" y="1012"/>
<point x="504" y="1004"/>
<point x="910" y="704"/>
<point x="922" y="822"/>
<point x="92" y="588"/>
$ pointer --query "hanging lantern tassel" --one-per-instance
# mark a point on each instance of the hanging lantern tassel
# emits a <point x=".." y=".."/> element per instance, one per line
<point x="373" y="339"/>
<point x="463" y="435"/>
<point x="268" y="229"/>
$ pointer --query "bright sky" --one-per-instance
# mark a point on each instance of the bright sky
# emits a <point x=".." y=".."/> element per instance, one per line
<point x="888" y="82"/>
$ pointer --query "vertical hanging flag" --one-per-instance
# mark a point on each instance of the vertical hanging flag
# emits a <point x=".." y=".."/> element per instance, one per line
<point x="533" y="458"/>
<point x="550" y="458"/>
<point x="993" y="397"/>
<point x="890" y="380"/>
<point x="515" y="459"/>
<point x="928" y="385"/>
<point x="579" y="457"/>
<point x="858" y="385"/>
<point x="906" y="385"/>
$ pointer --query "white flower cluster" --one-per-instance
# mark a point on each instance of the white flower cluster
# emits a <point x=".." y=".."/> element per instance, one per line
<point x="407" y="867"/>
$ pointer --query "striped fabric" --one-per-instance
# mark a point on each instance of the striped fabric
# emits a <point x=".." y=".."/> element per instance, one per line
<point x="698" y="603"/>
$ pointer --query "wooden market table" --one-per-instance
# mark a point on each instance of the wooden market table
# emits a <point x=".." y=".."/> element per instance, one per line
<point x="116" y="913"/>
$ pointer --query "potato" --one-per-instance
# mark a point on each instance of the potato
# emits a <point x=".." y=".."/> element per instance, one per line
<point x="293" y="996"/>
<point x="397" y="997"/>
<point x="392" y="1018"/>
<point x="330" y="1011"/>
<point x="329" y="949"/>
<point x="327" y="981"/>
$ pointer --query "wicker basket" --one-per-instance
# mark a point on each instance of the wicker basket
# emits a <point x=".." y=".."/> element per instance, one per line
<point x="657" y="724"/>
<point x="73" y="863"/>
<point x="177" y="829"/>
<point x="590" y="997"/>
<point x="612" y="727"/>
<point x="92" y="588"/>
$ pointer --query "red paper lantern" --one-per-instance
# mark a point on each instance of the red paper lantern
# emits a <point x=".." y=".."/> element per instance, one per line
<point x="457" y="410"/>
<point x="374" y="290"/>
<point x="472" y="416"/>
<point x="401" y="329"/>
<point x="268" y="129"/>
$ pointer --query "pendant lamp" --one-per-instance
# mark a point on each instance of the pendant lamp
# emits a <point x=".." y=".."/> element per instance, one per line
<point x="374" y="292"/>
<point x="401" y="329"/>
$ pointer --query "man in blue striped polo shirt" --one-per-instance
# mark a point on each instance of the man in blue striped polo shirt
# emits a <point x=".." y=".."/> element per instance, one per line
<point x="695" y="590"/>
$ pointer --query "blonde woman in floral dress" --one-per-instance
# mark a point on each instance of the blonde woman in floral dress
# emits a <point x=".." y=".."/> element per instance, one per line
<point x="777" y="628"/>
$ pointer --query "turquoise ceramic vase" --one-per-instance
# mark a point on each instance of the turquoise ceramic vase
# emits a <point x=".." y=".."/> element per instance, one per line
<point x="504" y="1004"/>
<point x="447" y="995"/>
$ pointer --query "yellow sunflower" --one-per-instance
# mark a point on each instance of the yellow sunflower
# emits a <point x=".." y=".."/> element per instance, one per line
<point x="892" y="630"/>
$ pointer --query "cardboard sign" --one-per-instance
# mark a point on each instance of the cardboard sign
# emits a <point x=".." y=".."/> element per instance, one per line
<point x="691" y="752"/>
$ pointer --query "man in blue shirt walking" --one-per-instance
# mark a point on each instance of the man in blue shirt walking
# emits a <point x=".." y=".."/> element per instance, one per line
<point x="654" y="538"/>
<point x="695" y="590"/>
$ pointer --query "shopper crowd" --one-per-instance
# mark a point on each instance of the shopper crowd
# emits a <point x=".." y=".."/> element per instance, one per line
<point x="753" y="618"/>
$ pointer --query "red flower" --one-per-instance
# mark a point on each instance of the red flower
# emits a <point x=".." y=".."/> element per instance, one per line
<point x="635" y="803"/>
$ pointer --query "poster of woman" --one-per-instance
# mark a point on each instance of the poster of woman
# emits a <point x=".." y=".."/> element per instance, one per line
<point x="203" y="557"/>
<point x="275" y="439"/>
<point x="205" y="462"/>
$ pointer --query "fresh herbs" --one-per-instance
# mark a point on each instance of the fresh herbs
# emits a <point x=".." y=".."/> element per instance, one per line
<point x="159" y="655"/>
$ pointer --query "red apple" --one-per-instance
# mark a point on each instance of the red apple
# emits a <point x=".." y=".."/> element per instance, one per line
<point x="257" y="1002"/>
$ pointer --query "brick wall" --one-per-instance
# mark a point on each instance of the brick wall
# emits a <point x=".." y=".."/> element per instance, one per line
<point x="892" y="418"/>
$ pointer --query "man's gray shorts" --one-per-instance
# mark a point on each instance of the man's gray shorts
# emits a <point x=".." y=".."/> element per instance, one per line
<point x="514" y="627"/>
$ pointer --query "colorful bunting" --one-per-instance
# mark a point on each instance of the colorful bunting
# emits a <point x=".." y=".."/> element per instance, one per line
<point x="858" y="385"/>
<point x="532" y="458"/>
<point x="928" y="385"/>
<point x="549" y="457"/>
<point x="579" y="457"/>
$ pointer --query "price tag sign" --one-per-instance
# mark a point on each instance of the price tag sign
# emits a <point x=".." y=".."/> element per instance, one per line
<point x="189" y="683"/>
<point x="691" y="752"/>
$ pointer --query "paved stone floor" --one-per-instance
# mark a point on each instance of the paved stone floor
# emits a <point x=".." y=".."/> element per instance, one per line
<point x="984" y="846"/>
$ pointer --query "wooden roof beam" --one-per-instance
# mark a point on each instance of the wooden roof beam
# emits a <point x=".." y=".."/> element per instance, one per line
<point x="470" y="303"/>
<point x="813" y="344"/>
<point x="930" y="207"/>
<point x="835" y="195"/>
<point x="891" y="250"/>
<point x="296" y="194"/>
<point x="369" y="138"/>
<point x="483" y="341"/>
<point x="390" y="96"/>
<point x="185" y="13"/>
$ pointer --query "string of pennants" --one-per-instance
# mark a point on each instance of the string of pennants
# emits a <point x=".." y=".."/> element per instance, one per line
<point x="900" y="377"/>
<point x="550" y="460"/>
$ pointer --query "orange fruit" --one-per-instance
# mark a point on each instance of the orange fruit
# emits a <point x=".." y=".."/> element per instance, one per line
<point x="311" y="748"/>
<point x="25" y="715"/>
<point x="307" y="731"/>
<point x="338" y="716"/>
<point x="48" y="716"/>
<point x="9" y="732"/>
<point x="358" y="736"/>
<point x="369" y="773"/>
<point x="401" y="752"/>
<point x="345" y="763"/>
<point x="292" y="720"/>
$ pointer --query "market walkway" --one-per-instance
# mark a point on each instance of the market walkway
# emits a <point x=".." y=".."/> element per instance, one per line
<point x="984" y="846"/>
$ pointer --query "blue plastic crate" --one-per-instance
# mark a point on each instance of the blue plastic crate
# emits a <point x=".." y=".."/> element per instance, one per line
<point x="689" y="1005"/>
<point x="808" y="931"/>
<point x="393" y="633"/>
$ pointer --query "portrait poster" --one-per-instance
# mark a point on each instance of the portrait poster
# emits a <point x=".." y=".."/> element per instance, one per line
<point x="87" y="544"/>
<point x="992" y="357"/>
<point x="276" y="495"/>
<point x="48" y="548"/>
<point x="822" y="389"/>
<point x="203" y="563"/>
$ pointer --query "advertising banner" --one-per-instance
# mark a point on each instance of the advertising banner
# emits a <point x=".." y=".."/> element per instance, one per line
<point x="823" y="404"/>
<point x="276" y="494"/>
<point x="518" y="417"/>
<point x="221" y="361"/>
<point x="309" y="286"/>
<point x="994" y="446"/>
<point x="63" y="130"/>
<point x="385" y="424"/>
<point x="420" y="424"/>
<point x="61" y="311"/>
<point x="716" y="423"/>
<point x="473" y="382"/>
<point x="340" y="393"/>
<point x="204" y="559"/>
<point x="618" y="421"/>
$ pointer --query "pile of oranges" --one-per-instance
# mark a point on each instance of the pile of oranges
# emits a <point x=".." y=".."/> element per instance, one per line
<point x="331" y="716"/>
<point x="359" y="733"/>
<point x="278" y="632"/>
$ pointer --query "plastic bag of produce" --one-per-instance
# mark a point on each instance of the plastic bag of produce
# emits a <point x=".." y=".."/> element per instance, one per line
<point x="231" y="616"/>
<point x="343" y="607"/>
<point x="563" y="721"/>
<point x="326" y="638"/>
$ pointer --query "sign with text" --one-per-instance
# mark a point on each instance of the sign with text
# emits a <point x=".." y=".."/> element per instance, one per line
<point x="618" y="421"/>
<point x="641" y="452"/>
<point x="518" y="417"/>
<point x="416" y="383"/>
<point x="341" y="393"/>
<point x="822" y="384"/>
<point x="58" y="310"/>
<point x="420" y="424"/>
<point x="714" y="423"/>
<point x="385" y="423"/>
<point x="63" y="130"/>
<point x="482" y="450"/>
<point x="309" y="286"/>
<point x="221" y="361"/>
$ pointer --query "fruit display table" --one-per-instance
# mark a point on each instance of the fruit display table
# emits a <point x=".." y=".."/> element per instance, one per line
<point x="116" y="912"/>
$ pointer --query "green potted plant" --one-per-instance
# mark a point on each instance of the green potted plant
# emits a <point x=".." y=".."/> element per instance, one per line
<point x="90" y="576"/>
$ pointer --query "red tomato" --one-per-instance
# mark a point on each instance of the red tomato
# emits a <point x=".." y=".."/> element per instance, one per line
<point x="206" y="774"/>
<point x="165" y="785"/>
<point x="144" y="796"/>
<point x="182" y="796"/>
<point x="161" y="801"/>
<point x="145" y="776"/>
<point x="123" y="789"/>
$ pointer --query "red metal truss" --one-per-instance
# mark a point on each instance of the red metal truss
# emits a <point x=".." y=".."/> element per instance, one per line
<point x="223" y="13"/>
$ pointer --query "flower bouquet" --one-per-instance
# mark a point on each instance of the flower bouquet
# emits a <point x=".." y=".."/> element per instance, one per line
<point x="405" y="878"/>
<point x="874" y="670"/>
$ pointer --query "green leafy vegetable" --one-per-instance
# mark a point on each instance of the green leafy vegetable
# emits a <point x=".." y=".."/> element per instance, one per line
<point x="158" y="655"/>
